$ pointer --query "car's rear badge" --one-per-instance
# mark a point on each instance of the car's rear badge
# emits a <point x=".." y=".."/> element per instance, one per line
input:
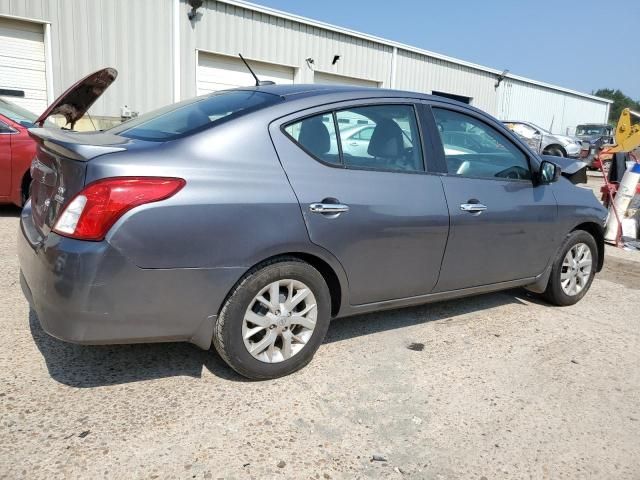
<point x="60" y="195"/>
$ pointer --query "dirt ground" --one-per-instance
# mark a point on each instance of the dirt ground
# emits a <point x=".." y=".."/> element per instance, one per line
<point x="490" y="387"/>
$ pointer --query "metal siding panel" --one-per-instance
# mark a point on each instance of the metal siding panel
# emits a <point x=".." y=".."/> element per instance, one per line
<point x="425" y="74"/>
<point x="557" y="111"/>
<point x="133" y="37"/>
<point x="270" y="39"/>
<point x="118" y="33"/>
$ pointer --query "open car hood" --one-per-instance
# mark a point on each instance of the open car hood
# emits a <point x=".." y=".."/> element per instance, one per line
<point x="574" y="170"/>
<point x="75" y="102"/>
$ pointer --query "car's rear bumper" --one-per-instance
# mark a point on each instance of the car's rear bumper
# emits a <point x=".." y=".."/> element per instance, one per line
<point x="88" y="292"/>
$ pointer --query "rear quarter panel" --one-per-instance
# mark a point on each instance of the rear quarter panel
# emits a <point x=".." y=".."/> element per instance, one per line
<point x="236" y="209"/>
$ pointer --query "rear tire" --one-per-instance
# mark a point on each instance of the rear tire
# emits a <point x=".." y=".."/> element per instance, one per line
<point x="295" y="337"/>
<point x="570" y="269"/>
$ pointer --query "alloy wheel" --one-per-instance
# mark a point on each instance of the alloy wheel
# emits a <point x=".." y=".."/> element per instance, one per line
<point x="576" y="269"/>
<point x="279" y="321"/>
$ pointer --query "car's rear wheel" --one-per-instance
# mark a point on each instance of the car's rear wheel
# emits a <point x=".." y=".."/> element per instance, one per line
<point x="573" y="269"/>
<point x="274" y="320"/>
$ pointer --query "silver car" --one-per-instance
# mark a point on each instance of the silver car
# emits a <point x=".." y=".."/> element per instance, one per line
<point x="545" y="142"/>
<point x="178" y="226"/>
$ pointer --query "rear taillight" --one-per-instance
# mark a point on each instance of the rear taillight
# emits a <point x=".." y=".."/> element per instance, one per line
<point x="94" y="210"/>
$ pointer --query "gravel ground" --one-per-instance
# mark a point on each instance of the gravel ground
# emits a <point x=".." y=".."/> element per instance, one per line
<point x="496" y="386"/>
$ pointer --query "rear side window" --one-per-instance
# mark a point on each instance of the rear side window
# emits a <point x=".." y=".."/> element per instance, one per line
<point x="388" y="140"/>
<point x="317" y="136"/>
<point x="184" y="118"/>
<point x="380" y="137"/>
<point x="474" y="149"/>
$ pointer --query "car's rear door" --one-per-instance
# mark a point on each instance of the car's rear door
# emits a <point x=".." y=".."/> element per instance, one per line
<point x="381" y="214"/>
<point x="503" y="225"/>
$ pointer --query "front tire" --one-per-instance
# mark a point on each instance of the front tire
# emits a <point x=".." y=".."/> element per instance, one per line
<point x="274" y="320"/>
<point x="573" y="269"/>
<point x="554" y="151"/>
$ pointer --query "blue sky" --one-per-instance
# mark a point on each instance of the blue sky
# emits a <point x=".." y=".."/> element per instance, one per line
<point x="578" y="44"/>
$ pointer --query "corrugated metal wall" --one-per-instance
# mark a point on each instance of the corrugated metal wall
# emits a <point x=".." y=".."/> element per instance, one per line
<point x="553" y="110"/>
<point x="136" y="37"/>
<point x="132" y="36"/>
<point x="229" y="30"/>
<point x="420" y="73"/>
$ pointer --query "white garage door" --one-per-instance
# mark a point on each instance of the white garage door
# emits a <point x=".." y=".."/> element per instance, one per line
<point x="22" y="63"/>
<point x="219" y="72"/>
<point x="331" y="79"/>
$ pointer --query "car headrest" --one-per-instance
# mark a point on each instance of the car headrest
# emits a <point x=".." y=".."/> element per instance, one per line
<point x="386" y="140"/>
<point x="314" y="135"/>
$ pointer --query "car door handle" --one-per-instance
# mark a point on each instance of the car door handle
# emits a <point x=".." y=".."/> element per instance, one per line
<point x="473" y="207"/>
<point x="328" y="208"/>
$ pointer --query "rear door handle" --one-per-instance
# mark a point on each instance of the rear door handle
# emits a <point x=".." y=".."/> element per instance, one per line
<point x="328" y="208"/>
<point x="473" y="207"/>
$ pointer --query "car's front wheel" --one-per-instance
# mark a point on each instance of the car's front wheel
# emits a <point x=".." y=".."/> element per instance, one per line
<point x="573" y="269"/>
<point x="274" y="320"/>
<point x="554" y="151"/>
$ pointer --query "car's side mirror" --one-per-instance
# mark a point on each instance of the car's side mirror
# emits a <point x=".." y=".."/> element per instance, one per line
<point x="549" y="172"/>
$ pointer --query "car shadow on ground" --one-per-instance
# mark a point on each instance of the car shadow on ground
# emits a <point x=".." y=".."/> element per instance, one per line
<point x="9" y="211"/>
<point x="86" y="366"/>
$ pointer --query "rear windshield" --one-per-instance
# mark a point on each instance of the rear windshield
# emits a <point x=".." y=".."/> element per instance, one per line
<point x="184" y="118"/>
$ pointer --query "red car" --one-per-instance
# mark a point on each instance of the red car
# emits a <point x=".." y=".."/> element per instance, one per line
<point x="17" y="150"/>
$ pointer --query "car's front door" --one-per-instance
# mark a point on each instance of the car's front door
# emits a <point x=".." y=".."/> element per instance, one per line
<point x="379" y="213"/>
<point x="503" y="226"/>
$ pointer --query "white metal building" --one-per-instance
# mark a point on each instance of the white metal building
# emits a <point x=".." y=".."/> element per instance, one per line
<point x="163" y="56"/>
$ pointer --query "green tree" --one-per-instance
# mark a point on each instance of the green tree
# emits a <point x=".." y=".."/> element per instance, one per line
<point x="620" y="102"/>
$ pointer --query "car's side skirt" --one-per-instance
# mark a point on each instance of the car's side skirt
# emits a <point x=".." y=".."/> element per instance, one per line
<point x="436" y="297"/>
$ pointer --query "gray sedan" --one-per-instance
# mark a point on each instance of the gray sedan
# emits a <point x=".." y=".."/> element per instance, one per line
<point x="545" y="142"/>
<point x="178" y="226"/>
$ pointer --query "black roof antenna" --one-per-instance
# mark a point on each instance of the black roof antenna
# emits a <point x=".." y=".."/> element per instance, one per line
<point x="258" y="81"/>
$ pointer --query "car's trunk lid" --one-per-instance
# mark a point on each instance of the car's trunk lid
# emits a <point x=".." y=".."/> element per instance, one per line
<point x="78" y="98"/>
<point x="58" y="170"/>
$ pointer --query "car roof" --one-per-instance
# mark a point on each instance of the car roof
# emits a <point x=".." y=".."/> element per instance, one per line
<point x="300" y="90"/>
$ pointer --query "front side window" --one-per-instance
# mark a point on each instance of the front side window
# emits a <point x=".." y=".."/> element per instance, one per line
<point x="474" y="149"/>
<point x="4" y="128"/>
<point x="17" y="114"/>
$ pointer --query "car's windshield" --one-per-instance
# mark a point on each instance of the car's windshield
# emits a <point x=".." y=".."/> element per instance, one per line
<point x="590" y="130"/>
<point x="543" y="130"/>
<point x="17" y="114"/>
<point x="180" y="119"/>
